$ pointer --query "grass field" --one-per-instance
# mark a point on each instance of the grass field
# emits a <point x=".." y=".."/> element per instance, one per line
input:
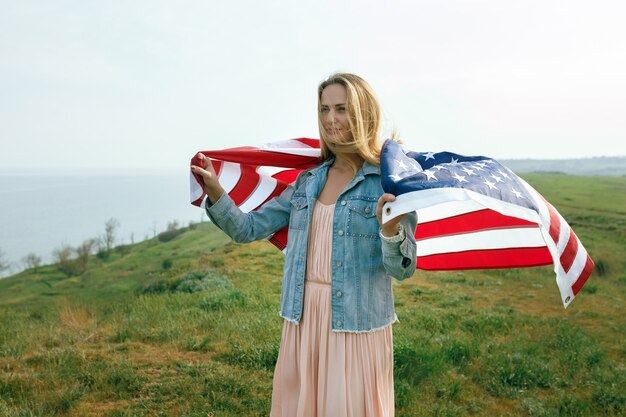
<point x="190" y="327"/>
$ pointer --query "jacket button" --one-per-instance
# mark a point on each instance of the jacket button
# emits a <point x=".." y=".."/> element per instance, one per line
<point x="339" y="293"/>
<point x="367" y="210"/>
<point x="339" y="323"/>
<point x="343" y="203"/>
<point x="338" y="263"/>
<point x="340" y="233"/>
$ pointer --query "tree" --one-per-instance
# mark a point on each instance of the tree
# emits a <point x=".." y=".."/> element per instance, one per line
<point x="32" y="261"/>
<point x="83" y="252"/>
<point x="110" y="229"/>
<point x="4" y="263"/>
<point x="64" y="261"/>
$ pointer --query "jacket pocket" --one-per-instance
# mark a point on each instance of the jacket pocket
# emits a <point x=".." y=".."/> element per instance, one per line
<point x="299" y="212"/>
<point x="362" y="221"/>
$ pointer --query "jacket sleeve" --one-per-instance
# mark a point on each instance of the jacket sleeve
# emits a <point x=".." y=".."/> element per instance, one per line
<point x="400" y="258"/>
<point x="255" y="225"/>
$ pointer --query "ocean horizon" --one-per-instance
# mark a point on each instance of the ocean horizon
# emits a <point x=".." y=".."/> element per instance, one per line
<point x="41" y="212"/>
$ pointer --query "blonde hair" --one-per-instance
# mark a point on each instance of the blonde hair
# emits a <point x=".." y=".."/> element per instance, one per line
<point x="364" y="118"/>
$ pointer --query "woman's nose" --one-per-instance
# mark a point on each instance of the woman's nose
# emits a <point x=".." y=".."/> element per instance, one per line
<point x="330" y="117"/>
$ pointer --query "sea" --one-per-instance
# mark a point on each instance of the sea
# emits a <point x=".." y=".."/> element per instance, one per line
<point x="43" y="211"/>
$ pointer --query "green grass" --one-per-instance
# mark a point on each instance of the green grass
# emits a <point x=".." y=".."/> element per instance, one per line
<point x="199" y="334"/>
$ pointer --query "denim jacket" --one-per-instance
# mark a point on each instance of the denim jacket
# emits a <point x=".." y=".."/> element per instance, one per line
<point x="362" y="262"/>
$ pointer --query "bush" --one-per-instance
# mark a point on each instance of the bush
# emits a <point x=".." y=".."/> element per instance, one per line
<point x="123" y="250"/>
<point x="203" y="280"/>
<point x="169" y="235"/>
<point x="166" y="264"/>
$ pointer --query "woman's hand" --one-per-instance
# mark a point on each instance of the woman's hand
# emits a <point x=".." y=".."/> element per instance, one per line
<point x="211" y="187"/>
<point x="391" y="227"/>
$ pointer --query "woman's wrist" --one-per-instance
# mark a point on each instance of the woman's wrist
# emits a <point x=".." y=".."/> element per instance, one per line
<point x="214" y="193"/>
<point x="398" y="237"/>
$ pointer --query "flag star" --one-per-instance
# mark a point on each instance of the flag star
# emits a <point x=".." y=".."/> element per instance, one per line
<point x="460" y="178"/>
<point x="395" y="177"/>
<point x="504" y="174"/>
<point x="454" y="161"/>
<point x="495" y="177"/>
<point x="429" y="155"/>
<point x="469" y="171"/>
<point x="481" y="164"/>
<point x="402" y="164"/>
<point x="439" y="167"/>
<point x="492" y="185"/>
<point x="517" y="193"/>
<point x="430" y="174"/>
<point x="478" y="168"/>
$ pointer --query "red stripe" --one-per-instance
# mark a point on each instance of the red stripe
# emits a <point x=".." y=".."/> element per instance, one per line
<point x="486" y="259"/>
<point x="248" y="155"/>
<point x="248" y="181"/>
<point x="555" y="222"/>
<point x="279" y="239"/>
<point x="288" y="176"/>
<point x="584" y="275"/>
<point x="313" y="143"/>
<point x="468" y="222"/>
<point x="569" y="254"/>
<point x="217" y="166"/>
<point x="283" y="178"/>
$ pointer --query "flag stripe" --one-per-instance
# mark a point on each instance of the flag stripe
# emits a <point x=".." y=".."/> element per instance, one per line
<point x="569" y="254"/>
<point x="469" y="222"/>
<point x="487" y="239"/>
<point x="263" y="190"/>
<point x="584" y="275"/>
<point x="486" y="259"/>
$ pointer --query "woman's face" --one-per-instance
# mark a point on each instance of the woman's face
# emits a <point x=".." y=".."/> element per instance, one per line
<point x="334" y="116"/>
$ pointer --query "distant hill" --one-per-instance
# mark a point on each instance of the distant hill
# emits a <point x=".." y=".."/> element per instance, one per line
<point x="603" y="165"/>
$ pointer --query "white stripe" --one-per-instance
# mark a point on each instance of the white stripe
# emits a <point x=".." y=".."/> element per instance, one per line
<point x="564" y="233"/>
<point x="288" y="143"/>
<point x="195" y="190"/>
<point x="314" y="152"/>
<point x="441" y="203"/>
<point x="263" y="190"/>
<point x="271" y="171"/>
<point x="578" y="265"/>
<point x="229" y="175"/>
<point x="490" y="239"/>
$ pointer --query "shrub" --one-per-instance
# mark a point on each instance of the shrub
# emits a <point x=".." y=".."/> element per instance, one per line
<point x="202" y="280"/>
<point x="601" y="268"/>
<point x="166" y="264"/>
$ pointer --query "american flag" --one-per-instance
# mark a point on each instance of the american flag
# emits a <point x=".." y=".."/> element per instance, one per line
<point x="473" y="213"/>
<point x="253" y="175"/>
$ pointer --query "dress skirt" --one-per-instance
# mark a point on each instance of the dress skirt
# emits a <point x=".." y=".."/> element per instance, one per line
<point x="324" y="373"/>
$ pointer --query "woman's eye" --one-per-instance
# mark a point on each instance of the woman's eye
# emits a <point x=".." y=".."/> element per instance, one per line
<point x="324" y="110"/>
<point x="341" y="109"/>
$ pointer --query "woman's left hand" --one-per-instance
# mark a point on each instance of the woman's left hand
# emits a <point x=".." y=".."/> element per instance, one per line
<point x="391" y="227"/>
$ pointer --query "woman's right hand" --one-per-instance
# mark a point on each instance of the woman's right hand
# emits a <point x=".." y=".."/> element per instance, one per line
<point x="212" y="186"/>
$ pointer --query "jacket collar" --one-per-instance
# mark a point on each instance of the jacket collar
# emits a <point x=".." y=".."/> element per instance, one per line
<point x="366" y="169"/>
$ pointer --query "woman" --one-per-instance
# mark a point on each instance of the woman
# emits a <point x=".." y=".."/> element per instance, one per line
<point x="336" y="351"/>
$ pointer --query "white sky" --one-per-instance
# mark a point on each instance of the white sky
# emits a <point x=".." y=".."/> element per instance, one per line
<point x="146" y="84"/>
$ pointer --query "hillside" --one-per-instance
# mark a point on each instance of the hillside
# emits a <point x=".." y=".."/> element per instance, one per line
<point x="138" y="335"/>
<point x="604" y="165"/>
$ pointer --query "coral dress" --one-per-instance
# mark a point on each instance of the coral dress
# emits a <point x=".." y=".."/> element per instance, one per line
<point x="324" y="373"/>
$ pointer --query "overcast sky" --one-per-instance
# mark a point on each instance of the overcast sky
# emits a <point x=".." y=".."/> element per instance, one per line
<point x="146" y="84"/>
